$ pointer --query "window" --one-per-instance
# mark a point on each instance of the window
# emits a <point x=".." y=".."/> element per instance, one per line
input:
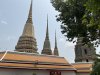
<point x="87" y="60"/>
<point x="85" y="51"/>
<point x="55" y="73"/>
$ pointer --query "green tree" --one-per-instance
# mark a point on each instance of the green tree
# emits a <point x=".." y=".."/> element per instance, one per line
<point x="77" y="19"/>
<point x="71" y="13"/>
<point x="96" y="66"/>
<point x="92" y="20"/>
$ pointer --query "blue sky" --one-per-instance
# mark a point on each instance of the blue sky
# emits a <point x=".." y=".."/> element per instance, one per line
<point x="13" y="15"/>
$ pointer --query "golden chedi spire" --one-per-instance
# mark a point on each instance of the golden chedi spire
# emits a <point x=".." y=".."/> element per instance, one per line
<point x="29" y="29"/>
<point x="47" y="46"/>
<point x="27" y="41"/>
<point x="56" y="48"/>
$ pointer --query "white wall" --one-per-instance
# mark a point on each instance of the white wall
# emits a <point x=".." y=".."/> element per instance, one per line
<point x="22" y="72"/>
<point x="30" y="72"/>
<point x="83" y="74"/>
<point x="68" y="73"/>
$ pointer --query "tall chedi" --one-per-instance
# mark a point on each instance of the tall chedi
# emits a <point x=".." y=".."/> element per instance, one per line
<point x="47" y="47"/>
<point x="84" y="53"/>
<point x="27" y="41"/>
<point x="56" y="48"/>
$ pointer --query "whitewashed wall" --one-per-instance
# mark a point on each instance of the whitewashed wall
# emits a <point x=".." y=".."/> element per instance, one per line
<point x="30" y="72"/>
<point x="68" y="73"/>
<point x="83" y="74"/>
<point x="22" y="72"/>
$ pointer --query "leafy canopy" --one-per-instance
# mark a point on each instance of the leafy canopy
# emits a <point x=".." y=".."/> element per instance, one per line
<point x="96" y="66"/>
<point x="79" y="18"/>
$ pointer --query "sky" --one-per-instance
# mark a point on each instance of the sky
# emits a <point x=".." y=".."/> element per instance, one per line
<point x="13" y="15"/>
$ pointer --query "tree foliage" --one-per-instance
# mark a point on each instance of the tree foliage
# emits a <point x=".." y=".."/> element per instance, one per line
<point x="96" y="67"/>
<point x="92" y="20"/>
<point x="79" y="18"/>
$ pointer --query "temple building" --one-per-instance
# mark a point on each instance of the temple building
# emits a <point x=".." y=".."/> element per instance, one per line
<point x="84" y="53"/>
<point x="25" y="59"/>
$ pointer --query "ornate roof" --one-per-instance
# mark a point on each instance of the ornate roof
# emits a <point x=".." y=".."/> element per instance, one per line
<point x="33" y="61"/>
<point x="83" y="67"/>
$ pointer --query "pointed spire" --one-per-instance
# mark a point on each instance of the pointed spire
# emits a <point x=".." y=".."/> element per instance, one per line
<point x="27" y="42"/>
<point x="55" y="40"/>
<point x="56" y="48"/>
<point x="29" y="20"/>
<point x="47" y="31"/>
<point x="47" y="46"/>
<point x="29" y="28"/>
<point x="30" y="11"/>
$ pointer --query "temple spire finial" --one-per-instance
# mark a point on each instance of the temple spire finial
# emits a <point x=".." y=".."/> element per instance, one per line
<point x="29" y="28"/>
<point x="47" y="31"/>
<point x="30" y="11"/>
<point x="47" y="47"/>
<point x="55" y="40"/>
<point x="56" y="48"/>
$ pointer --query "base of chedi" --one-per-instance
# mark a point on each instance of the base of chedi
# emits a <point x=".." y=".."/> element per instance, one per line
<point x="26" y="44"/>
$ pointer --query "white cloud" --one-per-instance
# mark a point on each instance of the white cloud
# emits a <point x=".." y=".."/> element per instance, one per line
<point x="4" y="22"/>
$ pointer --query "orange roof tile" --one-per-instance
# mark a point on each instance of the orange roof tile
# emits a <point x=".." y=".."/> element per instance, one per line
<point x="84" y="71"/>
<point x="22" y="60"/>
<point x="83" y="67"/>
<point x="34" y="66"/>
<point x="34" y="57"/>
<point x="1" y="55"/>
